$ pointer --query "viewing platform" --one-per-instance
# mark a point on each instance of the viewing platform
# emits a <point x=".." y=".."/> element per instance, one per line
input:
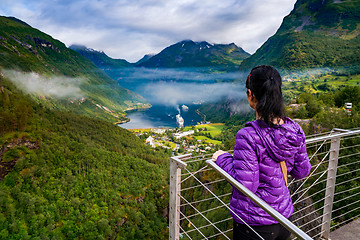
<point x="350" y="231"/>
<point x="326" y="202"/>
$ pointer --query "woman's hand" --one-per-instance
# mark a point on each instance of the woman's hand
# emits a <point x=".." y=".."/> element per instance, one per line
<point x="217" y="154"/>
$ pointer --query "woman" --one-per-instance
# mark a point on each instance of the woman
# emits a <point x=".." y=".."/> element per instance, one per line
<point x="260" y="148"/>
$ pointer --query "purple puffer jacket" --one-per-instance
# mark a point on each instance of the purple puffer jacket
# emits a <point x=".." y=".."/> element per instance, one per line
<point x="258" y="151"/>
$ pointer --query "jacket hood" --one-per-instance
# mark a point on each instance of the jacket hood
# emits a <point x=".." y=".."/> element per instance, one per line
<point x="281" y="142"/>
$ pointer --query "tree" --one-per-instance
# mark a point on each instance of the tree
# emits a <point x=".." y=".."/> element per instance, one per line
<point x="348" y="94"/>
<point x="313" y="107"/>
<point x="302" y="113"/>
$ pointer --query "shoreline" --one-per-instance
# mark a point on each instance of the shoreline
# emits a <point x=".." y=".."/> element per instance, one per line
<point x="167" y="128"/>
<point x="131" y="110"/>
<point x="159" y="116"/>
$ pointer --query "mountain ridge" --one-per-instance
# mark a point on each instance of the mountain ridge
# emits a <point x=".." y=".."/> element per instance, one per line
<point x="317" y="33"/>
<point x="99" y="58"/>
<point x="188" y="53"/>
<point x="36" y="56"/>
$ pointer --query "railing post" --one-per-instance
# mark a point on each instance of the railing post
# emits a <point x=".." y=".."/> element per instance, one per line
<point x="174" y="199"/>
<point x="330" y="187"/>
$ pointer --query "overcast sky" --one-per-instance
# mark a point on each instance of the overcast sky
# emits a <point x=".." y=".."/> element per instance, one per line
<point x="129" y="29"/>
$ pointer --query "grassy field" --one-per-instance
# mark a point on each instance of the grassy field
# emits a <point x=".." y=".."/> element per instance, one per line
<point x="322" y="83"/>
<point x="318" y="84"/>
<point x="207" y="140"/>
<point x="140" y="130"/>
<point x="168" y="144"/>
<point x="214" y="128"/>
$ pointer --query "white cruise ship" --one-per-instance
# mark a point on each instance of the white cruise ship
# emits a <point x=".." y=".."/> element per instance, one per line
<point x="179" y="121"/>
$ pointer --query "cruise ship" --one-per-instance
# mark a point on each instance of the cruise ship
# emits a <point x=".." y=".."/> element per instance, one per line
<point x="179" y="121"/>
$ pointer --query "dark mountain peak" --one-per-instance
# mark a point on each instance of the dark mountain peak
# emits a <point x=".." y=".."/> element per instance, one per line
<point x="18" y="20"/>
<point x="78" y="47"/>
<point x="99" y="58"/>
<point x="188" y="53"/>
<point x="186" y="41"/>
<point x="333" y="17"/>
<point x="312" y="5"/>
<point x="145" y="58"/>
<point x="188" y="45"/>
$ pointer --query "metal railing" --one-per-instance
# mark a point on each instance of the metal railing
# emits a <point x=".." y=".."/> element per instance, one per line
<point x="326" y="199"/>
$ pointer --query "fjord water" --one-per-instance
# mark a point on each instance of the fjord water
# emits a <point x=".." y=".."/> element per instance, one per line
<point x="168" y="89"/>
<point x="161" y="116"/>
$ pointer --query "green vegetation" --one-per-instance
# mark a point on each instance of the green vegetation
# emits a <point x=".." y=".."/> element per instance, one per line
<point x="207" y="140"/>
<point x="26" y="51"/>
<point x="65" y="176"/>
<point x="317" y="108"/>
<point x="213" y="129"/>
<point x="318" y="84"/>
<point x="169" y="144"/>
<point x="302" y="50"/>
<point x="316" y="34"/>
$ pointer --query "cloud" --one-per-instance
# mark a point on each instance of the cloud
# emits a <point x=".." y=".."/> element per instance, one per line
<point x="132" y="28"/>
<point x="59" y="87"/>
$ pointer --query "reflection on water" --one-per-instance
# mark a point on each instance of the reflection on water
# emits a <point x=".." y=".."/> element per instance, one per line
<point x="161" y="116"/>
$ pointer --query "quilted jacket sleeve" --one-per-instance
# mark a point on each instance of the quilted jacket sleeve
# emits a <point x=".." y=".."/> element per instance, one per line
<point x="243" y="164"/>
<point x="302" y="164"/>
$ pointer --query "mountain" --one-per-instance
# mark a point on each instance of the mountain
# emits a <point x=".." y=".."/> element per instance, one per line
<point x="59" y="77"/>
<point x="145" y="58"/>
<point x="317" y="33"/>
<point x="99" y="58"/>
<point x="196" y="54"/>
<point x="67" y="176"/>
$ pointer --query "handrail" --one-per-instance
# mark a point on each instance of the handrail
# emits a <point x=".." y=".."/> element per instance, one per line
<point x="261" y="203"/>
<point x="328" y="145"/>
<point x="343" y="133"/>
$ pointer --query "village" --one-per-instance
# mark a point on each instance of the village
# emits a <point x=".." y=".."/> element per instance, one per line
<point x="201" y="138"/>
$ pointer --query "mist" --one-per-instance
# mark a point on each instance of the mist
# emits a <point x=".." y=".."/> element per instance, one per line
<point x="181" y="85"/>
<point x="55" y="86"/>
<point x="313" y="73"/>
<point x="168" y="93"/>
<point x="186" y="74"/>
<point x="176" y="86"/>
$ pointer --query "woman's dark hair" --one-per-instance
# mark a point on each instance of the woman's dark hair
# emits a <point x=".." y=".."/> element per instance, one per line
<point x="265" y="84"/>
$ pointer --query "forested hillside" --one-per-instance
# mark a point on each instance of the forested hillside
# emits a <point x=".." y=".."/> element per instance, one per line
<point x="65" y="176"/>
<point x="317" y="33"/>
<point x="59" y="77"/>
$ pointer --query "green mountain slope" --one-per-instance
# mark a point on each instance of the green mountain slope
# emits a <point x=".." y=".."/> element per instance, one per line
<point x="196" y="54"/>
<point x="65" y="176"/>
<point x="317" y="33"/>
<point x="99" y="58"/>
<point x="59" y="77"/>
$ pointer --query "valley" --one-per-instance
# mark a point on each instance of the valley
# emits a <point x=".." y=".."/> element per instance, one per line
<point x="85" y="139"/>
